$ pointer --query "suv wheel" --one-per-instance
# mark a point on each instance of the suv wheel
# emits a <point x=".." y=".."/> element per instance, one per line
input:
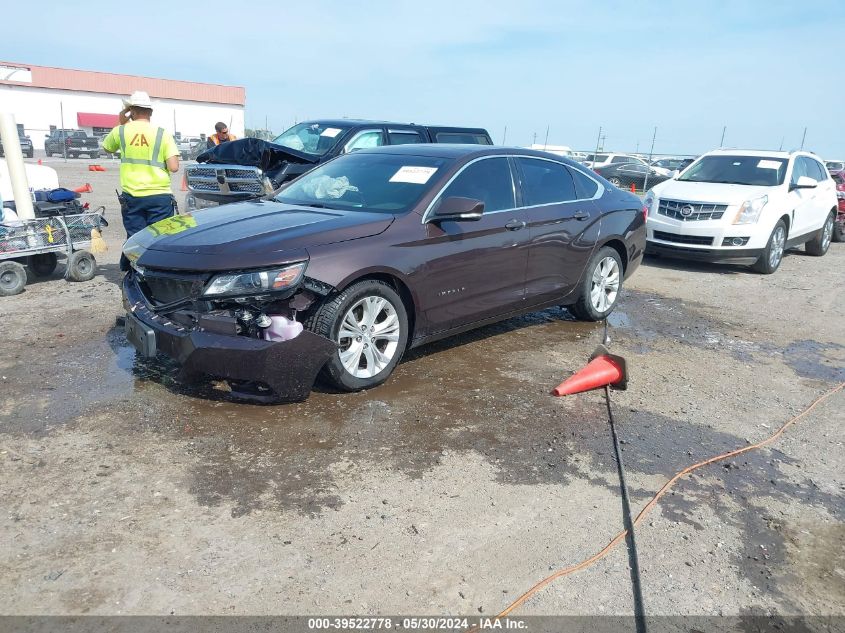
<point x="773" y="253"/>
<point x="821" y="240"/>
<point x="600" y="286"/>
<point x="369" y="323"/>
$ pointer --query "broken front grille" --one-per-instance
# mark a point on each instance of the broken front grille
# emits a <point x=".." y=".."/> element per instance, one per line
<point x="691" y="211"/>
<point x="162" y="288"/>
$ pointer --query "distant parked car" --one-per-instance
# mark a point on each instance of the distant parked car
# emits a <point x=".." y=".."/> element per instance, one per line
<point x="623" y="175"/>
<point x="26" y="146"/>
<point x="744" y="206"/>
<point x="834" y="165"/>
<point x="71" y="143"/>
<point x="671" y="166"/>
<point x="375" y="252"/>
<point x="839" y="227"/>
<point x="599" y="160"/>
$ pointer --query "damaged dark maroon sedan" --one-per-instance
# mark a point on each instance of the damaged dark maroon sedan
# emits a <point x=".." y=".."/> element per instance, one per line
<point x="372" y="253"/>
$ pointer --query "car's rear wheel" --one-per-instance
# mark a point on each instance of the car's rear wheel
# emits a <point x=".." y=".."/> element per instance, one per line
<point x="600" y="286"/>
<point x="821" y="241"/>
<point x="772" y="255"/>
<point x="369" y="323"/>
<point x="615" y="181"/>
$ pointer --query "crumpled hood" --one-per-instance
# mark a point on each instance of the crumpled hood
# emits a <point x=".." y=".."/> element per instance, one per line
<point x="247" y="235"/>
<point x="713" y="192"/>
<point x="255" y="152"/>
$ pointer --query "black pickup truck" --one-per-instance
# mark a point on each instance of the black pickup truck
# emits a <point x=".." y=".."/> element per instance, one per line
<point x="26" y="146"/>
<point x="250" y="167"/>
<point x="71" y="143"/>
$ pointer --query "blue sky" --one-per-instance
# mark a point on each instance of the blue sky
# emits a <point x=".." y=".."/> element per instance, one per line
<point x="764" y="69"/>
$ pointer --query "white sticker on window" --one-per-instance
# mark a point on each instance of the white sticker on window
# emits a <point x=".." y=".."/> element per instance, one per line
<point x="331" y="132"/>
<point x="769" y="164"/>
<point x="415" y="175"/>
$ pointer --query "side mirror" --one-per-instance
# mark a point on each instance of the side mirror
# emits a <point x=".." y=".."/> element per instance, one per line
<point x="458" y="209"/>
<point x="804" y="182"/>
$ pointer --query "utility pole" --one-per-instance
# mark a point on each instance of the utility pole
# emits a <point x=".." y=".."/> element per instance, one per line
<point x="598" y="140"/>
<point x="804" y="138"/>
<point x="534" y="142"/>
<point x="546" y="142"/>
<point x="781" y="143"/>
<point x="650" y="156"/>
<point x="722" y="142"/>
<point x="505" y="135"/>
<point x="62" y="114"/>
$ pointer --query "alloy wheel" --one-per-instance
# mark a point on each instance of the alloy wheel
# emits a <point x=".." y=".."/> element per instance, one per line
<point x="368" y="336"/>
<point x="778" y="242"/>
<point x="605" y="284"/>
<point x="828" y="233"/>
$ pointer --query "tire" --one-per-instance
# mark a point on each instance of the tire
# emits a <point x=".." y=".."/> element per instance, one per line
<point x="600" y="286"/>
<point x="12" y="278"/>
<point x="30" y="154"/>
<point x="821" y="240"/>
<point x="42" y="265"/>
<point x="615" y="181"/>
<point x="772" y="255"/>
<point x="81" y="266"/>
<point x="73" y="155"/>
<point x="838" y="233"/>
<point x="371" y="301"/>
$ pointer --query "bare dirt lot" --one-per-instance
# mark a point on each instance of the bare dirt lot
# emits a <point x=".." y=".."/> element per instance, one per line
<point x="450" y="489"/>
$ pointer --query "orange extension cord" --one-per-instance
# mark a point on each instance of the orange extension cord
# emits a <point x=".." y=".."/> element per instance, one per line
<point x="650" y="505"/>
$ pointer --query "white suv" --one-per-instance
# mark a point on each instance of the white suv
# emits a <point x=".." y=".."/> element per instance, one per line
<point x="743" y="206"/>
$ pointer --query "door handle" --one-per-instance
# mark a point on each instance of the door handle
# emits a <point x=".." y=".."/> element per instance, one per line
<point x="581" y="215"/>
<point x="515" y="225"/>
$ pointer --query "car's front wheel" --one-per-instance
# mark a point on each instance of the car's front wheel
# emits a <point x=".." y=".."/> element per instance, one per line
<point x="600" y="286"/>
<point x="369" y="323"/>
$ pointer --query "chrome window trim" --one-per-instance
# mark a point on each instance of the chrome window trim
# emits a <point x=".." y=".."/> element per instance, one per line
<point x="600" y="189"/>
<point x="359" y="134"/>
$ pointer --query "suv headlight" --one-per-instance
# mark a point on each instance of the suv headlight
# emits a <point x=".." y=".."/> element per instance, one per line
<point x="749" y="211"/>
<point x="649" y="199"/>
<point x="255" y="282"/>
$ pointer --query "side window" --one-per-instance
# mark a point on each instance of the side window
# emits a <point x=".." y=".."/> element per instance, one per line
<point x="403" y="137"/>
<point x="545" y="182"/>
<point x="585" y="186"/>
<point x="488" y="180"/>
<point x="461" y="138"/>
<point x="799" y="169"/>
<point x="619" y="159"/>
<point x="820" y="170"/>
<point x="365" y="140"/>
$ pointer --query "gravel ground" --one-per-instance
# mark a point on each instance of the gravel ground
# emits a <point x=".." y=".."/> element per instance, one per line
<point x="452" y="488"/>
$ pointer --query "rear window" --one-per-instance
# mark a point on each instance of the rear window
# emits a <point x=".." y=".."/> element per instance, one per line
<point x="461" y="138"/>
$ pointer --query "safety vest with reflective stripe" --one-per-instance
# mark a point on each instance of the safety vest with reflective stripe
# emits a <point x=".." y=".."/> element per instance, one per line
<point x="144" y="150"/>
<point x="216" y="139"/>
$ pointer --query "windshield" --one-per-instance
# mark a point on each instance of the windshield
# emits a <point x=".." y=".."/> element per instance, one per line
<point x="387" y="183"/>
<point x="834" y="165"/>
<point x="311" y="138"/>
<point x="737" y="170"/>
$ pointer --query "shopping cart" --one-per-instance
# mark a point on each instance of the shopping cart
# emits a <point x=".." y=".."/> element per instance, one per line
<point x="37" y="243"/>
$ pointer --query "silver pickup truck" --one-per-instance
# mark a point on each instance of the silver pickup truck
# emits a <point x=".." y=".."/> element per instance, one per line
<point x="251" y="168"/>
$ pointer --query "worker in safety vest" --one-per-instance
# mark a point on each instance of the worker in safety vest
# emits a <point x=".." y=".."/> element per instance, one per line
<point x="222" y="135"/>
<point x="148" y="155"/>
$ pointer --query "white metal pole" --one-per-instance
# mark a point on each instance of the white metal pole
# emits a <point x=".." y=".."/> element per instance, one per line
<point x="17" y="170"/>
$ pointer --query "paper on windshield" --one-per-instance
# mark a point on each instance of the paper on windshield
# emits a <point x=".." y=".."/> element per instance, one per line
<point x="415" y="175"/>
<point x="331" y="132"/>
<point x="769" y="164"/>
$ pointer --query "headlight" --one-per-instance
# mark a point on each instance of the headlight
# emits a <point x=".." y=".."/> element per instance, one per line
<point x="840" y="195"/>
<point x="256" y="282"/>
<point x="749" y="211"/>
<point x="649" y="199"/>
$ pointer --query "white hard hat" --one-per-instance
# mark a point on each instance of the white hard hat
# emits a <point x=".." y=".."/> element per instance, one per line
<point x="140" y="99"/>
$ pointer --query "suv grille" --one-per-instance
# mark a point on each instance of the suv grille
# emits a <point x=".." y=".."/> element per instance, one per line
<point x="698" y="240"/>
<point x="690" y="211"/>
<point x="225" y="179"/>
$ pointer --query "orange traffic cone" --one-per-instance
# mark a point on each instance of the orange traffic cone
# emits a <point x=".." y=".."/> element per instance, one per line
<point x="86" y="188"/>
<point x="633" y="188"/>
<point x="603" y="369"/>
<point x="39" y="161"/>
<point x="92" y="168"/>
<point x="100" y="168"/>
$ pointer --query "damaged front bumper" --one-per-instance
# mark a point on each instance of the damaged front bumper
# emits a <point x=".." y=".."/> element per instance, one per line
<point x="288" y="368"/>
